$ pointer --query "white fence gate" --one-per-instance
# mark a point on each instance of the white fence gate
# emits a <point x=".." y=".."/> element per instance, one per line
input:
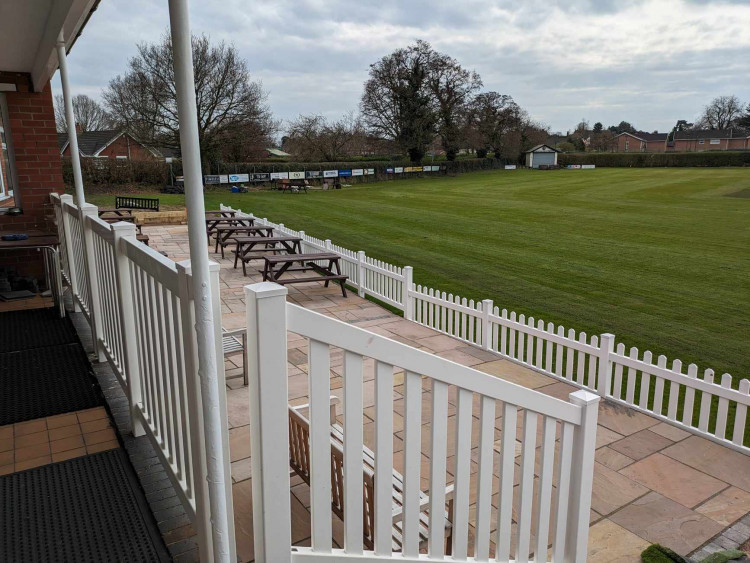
<point x="546" y="515"/>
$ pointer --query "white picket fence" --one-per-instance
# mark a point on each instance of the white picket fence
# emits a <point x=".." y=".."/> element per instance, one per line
<point x="700" y="405"/>
<point x="546" y="515"/>
<point x="141" y="310"/>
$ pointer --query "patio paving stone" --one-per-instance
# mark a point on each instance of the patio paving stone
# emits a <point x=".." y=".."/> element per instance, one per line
<point x="727" y="507"/>
<point x="714" y="459"/>
<point x="610" y="543"/>
<point x="641" y="444"/>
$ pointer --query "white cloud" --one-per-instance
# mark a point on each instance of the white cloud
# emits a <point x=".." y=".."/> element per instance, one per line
<point x="649" y="62"/>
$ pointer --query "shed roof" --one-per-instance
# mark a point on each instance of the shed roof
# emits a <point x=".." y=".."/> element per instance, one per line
<point x="539" y="147"/>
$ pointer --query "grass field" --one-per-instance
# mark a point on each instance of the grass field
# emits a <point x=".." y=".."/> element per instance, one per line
<point x="659" y="257"/>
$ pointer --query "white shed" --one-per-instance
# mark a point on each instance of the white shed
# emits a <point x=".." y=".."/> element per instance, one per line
<point x="541" y="155"/>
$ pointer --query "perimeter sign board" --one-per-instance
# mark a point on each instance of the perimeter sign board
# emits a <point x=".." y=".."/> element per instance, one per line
<point x="330" y="173"/>
<point x="239" y="178"/>
<point x="296" y="175"/>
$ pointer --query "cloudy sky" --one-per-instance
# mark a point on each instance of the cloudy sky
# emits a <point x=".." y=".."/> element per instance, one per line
<point x="649" y="62"/>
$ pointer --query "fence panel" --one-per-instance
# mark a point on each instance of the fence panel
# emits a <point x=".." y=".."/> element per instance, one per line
<point x="397" y="503"/>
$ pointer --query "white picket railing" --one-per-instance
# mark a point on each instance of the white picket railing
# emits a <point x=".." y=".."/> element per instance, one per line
<point x="141" y="310"/>
<point x="546" y="515"/>
<point x="700" y="405"/>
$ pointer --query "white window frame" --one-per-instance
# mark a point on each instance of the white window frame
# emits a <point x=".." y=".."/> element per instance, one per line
<point x="627" y="144"/>
<point x="701" y="141"/>
<point x="12" y="175"/>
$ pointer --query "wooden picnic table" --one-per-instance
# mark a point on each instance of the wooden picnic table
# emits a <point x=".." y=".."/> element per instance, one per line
<point x="224" y="233"/>
<point x="293" y="186"/>
<point x="213" y="222"/>
<point x="277" y="265"/>
<point x="246" y="250"/>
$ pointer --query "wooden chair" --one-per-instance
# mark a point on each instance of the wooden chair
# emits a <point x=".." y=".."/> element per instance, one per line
<point x="233" y="344"/>
<point x="299" y="460"/>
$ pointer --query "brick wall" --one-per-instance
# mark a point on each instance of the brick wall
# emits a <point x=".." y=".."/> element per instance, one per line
<point x="38" y="167"/>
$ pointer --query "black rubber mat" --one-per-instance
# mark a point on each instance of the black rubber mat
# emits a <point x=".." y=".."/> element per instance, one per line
<point x="36" y="328"/>
<point x="85" y="509"/>
<point x="45" y="382"/>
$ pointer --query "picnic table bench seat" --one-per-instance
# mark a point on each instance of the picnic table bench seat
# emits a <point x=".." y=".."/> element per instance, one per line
<point x="299" y="461"/>
<point x="277" y="265"/>
<point x="233" y="343"/>
<point x="226" y="234"/>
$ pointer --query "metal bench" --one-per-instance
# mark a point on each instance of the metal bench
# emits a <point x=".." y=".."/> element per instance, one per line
<point x="299" y="461"/>
<point x="233" y="342"/>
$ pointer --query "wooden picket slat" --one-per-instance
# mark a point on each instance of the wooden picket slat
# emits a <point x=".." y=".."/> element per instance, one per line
<point x="461" y="474"/>
<point x="383" y="457"/>
<point x="740" y="415"/>
<point x="484" y="478"/>
<point x="507" y="468"/>
<point x="526" y="487"/>
<point x="353" y="514"/>
<point x="546" y="470"/>
<point x="436" y="545"/>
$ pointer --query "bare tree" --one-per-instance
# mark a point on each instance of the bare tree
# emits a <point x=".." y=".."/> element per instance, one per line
<point x="492" y="116"/>
<point x="230" y="105"/>
<point x="721" y="113"/>
<point x="88" y="113"/>
<point x="313" y="137"/>
<point x="453" y="88"/>
<point x="397" y="103"/>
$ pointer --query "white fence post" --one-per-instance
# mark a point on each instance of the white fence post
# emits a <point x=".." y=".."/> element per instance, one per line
<point x="131" y="367"/>
<point x="302" y="244"/>
<point x="195" y="415"/>
<point x="487" y="306"/>
<point x="406" y="294"/>
<point x="95" y="308"/>
<point x="67" y="200"/>
<point x="606" y="347"/>
<point x="361" y="273"/>
<point x="269" y="420"/>
<point x="582" y="477"/>
<point x="327" y="242"/>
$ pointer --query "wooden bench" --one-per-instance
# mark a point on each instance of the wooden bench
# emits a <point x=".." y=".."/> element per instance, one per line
<point x="299" y="461"/>
<point x="144" y="203"/>
<point x="246" y="250"/>
<point x="277" y="266"/>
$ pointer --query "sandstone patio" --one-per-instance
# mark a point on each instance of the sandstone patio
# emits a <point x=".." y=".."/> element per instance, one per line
<point x="653" y="482"/>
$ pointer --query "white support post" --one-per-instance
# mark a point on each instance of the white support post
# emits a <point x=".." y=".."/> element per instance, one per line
<point x="582" y="477"/>
<point x="215" y="268"/>
<point x="604" y="376"/>
<point x="361" y="273"/>
<point x="487" y="306"/>
<point x="266" y="362"/>
<point x="201" y="280"/>
<point x="95" y="308"/>
<point x="126" y="231"/>
<point x="65" y="201"/>
<point x="75" y="158"/>
<point x="408" y="302"/>
<point x="302" y="244"/>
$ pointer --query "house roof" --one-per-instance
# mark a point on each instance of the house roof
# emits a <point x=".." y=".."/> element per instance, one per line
<point x="277" y="152"/>
<point x="536" y="148"/>
<point x="91" y="143"/>
<point x="643" y="136"/>
<point x="711" y="134"/>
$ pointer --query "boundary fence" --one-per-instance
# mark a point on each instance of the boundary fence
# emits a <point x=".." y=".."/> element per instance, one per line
<point x="702" y="404"/>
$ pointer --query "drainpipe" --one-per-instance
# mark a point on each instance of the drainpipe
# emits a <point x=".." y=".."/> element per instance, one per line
<point x="204" y="322"/>
<point x="75" y="157"/>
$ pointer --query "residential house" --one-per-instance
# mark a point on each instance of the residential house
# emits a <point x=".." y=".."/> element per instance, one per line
<point x="710" y="140"/>
<point x="641" y="142"/>
<point x="110" y="143"/>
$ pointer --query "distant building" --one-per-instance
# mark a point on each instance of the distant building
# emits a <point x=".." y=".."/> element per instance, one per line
<point x="541" y="155"/>
<point x="710" y="140"/>
<point x="276" y="153"/>
<point x="641" y="142"/>
<point x="111" y="143"/>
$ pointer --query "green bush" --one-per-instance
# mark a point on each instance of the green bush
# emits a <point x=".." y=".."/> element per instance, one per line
<point x="659" y="160"/>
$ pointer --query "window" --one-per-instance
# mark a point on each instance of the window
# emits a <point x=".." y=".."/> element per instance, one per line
<point x="7" y="180"/>
<point x="701" y="141"/>
<point x="627" y="144"/>
<point x="715" y="141"/>
<point x="121" y="157"/>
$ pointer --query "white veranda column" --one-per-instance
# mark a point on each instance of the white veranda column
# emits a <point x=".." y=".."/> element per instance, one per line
<point x="204" y="322"/>
<point x="75" y="157"/>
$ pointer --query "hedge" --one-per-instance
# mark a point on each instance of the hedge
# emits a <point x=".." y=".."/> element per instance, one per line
<point x="118" y="173"/>
<point x="647" y="160"/>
